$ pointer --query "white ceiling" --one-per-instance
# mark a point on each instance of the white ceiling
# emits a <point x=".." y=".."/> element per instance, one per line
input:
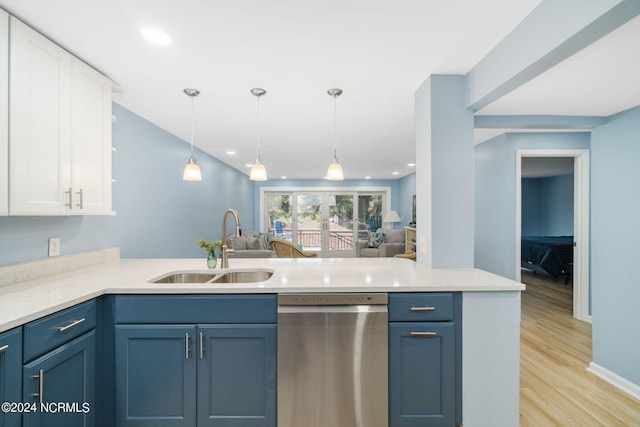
<point x="378" y="52"/>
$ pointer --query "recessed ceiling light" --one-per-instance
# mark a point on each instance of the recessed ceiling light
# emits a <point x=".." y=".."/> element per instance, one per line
<point x="411" y="165"/>
<point x="395" y="173"/>
<point x="367" y="177"/>
<point x="155" y="35"/>
<point x="283" y="177"/>
<point x="231" y="152"/>
<point x="249" y="165"/>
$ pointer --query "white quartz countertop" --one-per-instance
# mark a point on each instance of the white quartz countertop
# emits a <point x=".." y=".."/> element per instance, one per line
<point x="28" y="300"/>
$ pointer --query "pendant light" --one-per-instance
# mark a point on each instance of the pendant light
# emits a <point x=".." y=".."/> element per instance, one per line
<point x="192" y="170"/>
<point x="334" y="173"/>
<point x="258" y="171"/>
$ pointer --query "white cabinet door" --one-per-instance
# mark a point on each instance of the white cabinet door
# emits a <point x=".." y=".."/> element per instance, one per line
<point x="4" y="113"/>
<point x="40" y="124"/>
<point x="90" y="140"/>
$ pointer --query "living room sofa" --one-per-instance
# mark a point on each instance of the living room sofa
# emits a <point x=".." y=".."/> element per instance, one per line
<point x="385" y="242"/>
<point x="252" y="244"/>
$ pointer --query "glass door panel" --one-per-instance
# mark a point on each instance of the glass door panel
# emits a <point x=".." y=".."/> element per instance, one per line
<point x="279" y="215"/>
<point x="369" y="214"/>
<point x="340" y="221"/>
<point x="307" y="222"/>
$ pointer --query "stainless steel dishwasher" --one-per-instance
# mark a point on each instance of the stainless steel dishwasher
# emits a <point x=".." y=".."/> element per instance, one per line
<point x="332" y="360"/>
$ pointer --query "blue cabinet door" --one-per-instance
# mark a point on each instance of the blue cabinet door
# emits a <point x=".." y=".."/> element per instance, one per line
<point x="155" y="375"/>
<point x="62" y="384"/>
<point x="421" y="374"/>
<point x="11" y="375"/>
<point x="237" y="376"/>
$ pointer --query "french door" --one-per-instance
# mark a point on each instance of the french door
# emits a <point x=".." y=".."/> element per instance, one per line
<point x="326" y="222"/>
<point x="323" y="222"/>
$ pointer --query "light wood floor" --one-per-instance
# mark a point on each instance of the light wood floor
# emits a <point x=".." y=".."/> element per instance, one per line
<point x="555" y="350"/>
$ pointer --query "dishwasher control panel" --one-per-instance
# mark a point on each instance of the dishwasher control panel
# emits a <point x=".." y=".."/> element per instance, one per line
<point x="333" y="299"/>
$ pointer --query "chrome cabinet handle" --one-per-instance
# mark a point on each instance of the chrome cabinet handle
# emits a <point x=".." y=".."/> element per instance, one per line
<point x="423" y="334"/>
<point x="201" y="345"/>
<point x="70" y="325"/>
<point x="4" y="347"/>
<point x="425" y="308"/>
<point x="70" y="193"/>
<point x="80" y="194"/>
<point x="186" y="346"/>
<point x="40" y="393"/>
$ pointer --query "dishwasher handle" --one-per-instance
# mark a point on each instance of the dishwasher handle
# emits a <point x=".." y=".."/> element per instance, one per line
<point x="355" y="309"/>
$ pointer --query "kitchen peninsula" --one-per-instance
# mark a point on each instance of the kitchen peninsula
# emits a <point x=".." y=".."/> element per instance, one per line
<point x="489" y="316"/>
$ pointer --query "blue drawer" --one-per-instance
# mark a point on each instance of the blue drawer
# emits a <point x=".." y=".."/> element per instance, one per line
<point x="196" y="308"/>
<point x="43" y="335"/>
<point x="421" y="307"/>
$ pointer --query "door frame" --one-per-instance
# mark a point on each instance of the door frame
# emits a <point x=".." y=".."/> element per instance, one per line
<point x="321" y="189"/>
<point x="581" y="192"/>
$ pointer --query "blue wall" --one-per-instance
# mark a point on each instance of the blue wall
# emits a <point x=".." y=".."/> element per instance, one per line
<point x="495" y="192"/>
<point x="615" y="233"/>
<point x="158" y="214"/>
<point x="406" y="191"/>
<point x="547" y="206"/>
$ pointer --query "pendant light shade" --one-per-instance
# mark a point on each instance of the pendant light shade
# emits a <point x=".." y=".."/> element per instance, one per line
<point x="192" y="170"/>
<point x="334" y="173"/>
<point x="258" y="171"/>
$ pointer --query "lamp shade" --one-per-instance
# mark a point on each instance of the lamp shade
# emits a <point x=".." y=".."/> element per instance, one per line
<point x="391" y="216"/>
<point x="334" y="173"/>
<point x="192" y="171"/>
<point x="258" y="172"/>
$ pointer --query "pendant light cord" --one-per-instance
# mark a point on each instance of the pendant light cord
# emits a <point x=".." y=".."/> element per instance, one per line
<point x="192" y="124"/>
<point x="335" y="128"/>
<point x="258" y="129"/>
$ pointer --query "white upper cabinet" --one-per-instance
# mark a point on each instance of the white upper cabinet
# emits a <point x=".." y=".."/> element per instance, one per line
<point x="90" y="140"/>
<point x="59" y="130"/>
<point x="4" y="113"/>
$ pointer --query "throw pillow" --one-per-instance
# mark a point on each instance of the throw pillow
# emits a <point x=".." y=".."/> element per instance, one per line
<point x="376" y="239"/>
<point x="254" y="243"/>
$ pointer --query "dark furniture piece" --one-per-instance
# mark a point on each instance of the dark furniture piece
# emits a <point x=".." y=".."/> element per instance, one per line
<point x="552" y="255"/>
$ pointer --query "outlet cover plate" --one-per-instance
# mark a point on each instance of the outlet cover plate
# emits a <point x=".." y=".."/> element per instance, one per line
<point x="54" y="246"/>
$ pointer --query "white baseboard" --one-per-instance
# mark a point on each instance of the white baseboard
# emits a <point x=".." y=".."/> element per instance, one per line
<point x="615" y="380"/>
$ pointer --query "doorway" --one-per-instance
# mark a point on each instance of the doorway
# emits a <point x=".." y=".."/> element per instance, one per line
<point x="580" y="274"/>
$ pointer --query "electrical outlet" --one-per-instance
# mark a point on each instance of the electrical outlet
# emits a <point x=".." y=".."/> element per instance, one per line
<point x="54" y="246"/>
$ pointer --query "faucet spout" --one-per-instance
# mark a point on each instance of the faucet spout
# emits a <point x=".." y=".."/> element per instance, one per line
<point x="226" y="250"/>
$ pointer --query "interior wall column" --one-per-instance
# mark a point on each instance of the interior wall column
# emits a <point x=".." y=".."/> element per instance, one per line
<point x="444" y="173"/>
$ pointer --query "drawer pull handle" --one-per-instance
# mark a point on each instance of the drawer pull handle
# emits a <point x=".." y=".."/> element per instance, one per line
<point x="186" y="346"/>
<point x="201" y="345"/>
<point x="425" y="308"/>
<point x="70" y="325"/>
<point x="423" y="334"/>
<point x="4" y="347"/>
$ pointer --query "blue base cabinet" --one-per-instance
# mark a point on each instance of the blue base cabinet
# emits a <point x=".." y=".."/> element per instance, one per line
<point x="62" y="383"/>
<point x="11" y="375"/>
<point x="195" y="374"/>
<point x="424" y="378"/>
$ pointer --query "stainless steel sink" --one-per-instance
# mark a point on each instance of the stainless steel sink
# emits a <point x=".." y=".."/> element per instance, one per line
<point x="184" y="277"/>
<point x="243" y="276"/>
<point x="238" y="276"/>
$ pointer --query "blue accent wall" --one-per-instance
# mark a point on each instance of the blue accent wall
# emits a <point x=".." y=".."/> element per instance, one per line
<point x="547" y="206"/>
<point x="615" y="208"/>
<point x="495" y="193"/>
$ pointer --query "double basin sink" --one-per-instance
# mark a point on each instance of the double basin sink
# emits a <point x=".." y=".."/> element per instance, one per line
<point x="236" y="276"/>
